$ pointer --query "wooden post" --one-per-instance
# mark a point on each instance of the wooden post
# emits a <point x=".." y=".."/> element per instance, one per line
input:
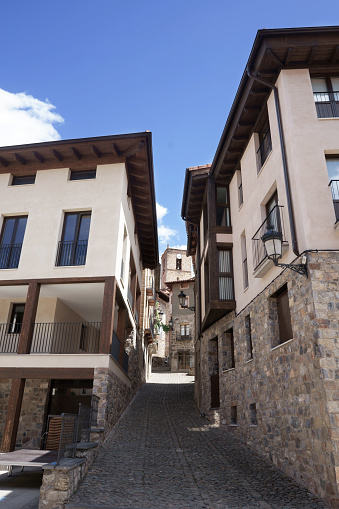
<point x="28" y="320"/>
<point x="13" y="414"/>
<point x="106" y="332"/>
<point x="121" y="333"/>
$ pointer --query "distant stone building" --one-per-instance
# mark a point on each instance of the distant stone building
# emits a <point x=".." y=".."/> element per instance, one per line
<point x="267" y="355"/>
<point x="175" y="265"/>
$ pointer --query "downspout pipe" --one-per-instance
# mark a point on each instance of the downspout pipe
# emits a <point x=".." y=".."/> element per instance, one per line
<point x="284" y="158"/>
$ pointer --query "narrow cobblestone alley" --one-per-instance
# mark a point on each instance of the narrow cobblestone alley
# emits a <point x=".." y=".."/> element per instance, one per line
<point x="163" y="454"/>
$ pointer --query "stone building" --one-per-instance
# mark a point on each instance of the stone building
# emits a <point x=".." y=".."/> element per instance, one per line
<point x="78" y="249"/>
<point x="175" y="265"/>
<point x="267" y="355"/>
<point x="181" y="347"/>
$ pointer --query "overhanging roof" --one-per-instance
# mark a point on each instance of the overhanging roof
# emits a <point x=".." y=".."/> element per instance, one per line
<point x="135" y="150"/>
<point x="314" y="48"/>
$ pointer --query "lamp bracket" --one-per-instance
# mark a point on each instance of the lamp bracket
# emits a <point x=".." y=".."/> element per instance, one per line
<point x="299" y="268"/>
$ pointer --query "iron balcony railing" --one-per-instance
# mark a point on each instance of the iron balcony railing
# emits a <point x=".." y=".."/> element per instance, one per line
<point x="275" y="220"/>
<point x="71" y="253"/>
<point x="327" y="104"/>
<point x="184" y="337"/>
<point x="264" y="149"/>
<point x="334" y="184"/>
<point x="61" y="338"/>
<point x="130" y="296"/>
<point x="9" y="337"/>
<point x="10" y="256"/>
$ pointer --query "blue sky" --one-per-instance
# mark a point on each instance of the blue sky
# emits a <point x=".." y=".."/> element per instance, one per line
<point x="72" y="69"/>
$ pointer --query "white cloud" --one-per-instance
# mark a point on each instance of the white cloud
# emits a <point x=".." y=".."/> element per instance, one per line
<point x="182" y="247"/>
<point x="24" y="119"/>
<point x="165" y="233"/>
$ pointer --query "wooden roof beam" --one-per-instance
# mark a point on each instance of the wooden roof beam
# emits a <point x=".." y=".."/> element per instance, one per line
<point x="288" y="56"/>
<point x="116" y="149"/>
<point x="311" y="55"/>
<point x="131" y="151"/>
<point x="38" y="156"/>
<point x="259" y="91"/>
<point x="335" y="54"/>
<point x="3" y="161"/>
<point x="274" y="57"/>
<point x="20" y="159"/>
<point x="76" y="153"/>
<point x="57" y="155"/>
<point x="240" y="138"/>
<point x="96" y="151"/>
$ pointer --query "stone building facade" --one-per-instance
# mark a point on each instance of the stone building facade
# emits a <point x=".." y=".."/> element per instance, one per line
<point x="267" y="354"/>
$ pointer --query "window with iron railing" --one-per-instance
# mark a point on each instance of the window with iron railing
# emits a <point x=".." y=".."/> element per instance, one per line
<point x="326" y="96"/>
<point x="72" y="249"/>
<point x="11" y="240"/>
<point x="332" y="164"/>
<point x="265" y="146"/>
<point x="275" y="219"/>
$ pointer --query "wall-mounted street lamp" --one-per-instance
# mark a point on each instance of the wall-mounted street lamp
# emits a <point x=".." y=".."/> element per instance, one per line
<point x="170" y="323"/>
<point x="182" y="300"/>
<point x="272" y="241"/>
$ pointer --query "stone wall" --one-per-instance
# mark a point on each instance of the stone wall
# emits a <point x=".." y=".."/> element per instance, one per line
<point x="5" y="389"/>
<point x="284" y="401"/>
<point x="33" y="413"/>
<point x="114" y="396"/>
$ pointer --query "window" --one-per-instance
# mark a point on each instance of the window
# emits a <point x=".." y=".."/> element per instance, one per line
<point x="248" y="337"/>
<point x="178" y="262"/>
<point x="82" y="174"/>
<point x="240" y="193"/>
<point x="234" y="417"/>
<point x="272" y="213"/>
<point x="225" y="277"/>
<point x="184" y="331"/>
<point x="283" y="316"/>
<point x="73" y="246"/>
<point x="223" y="210"/>
<point x="228" y="350"/>
<point x="265" y="141"/>
<point x="124" y="251"/>
<point x="326" y="96"/>
<point x="333" y="174"/>
<point x="244" y="261"/>
<point x="11" y="240"/>
<point x="24" y="180"/>
<point x="17" y="315"/>
<point x="253" y="415"/>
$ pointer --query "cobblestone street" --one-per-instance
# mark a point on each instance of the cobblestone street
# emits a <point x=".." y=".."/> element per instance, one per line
<point x="163" y="454"/>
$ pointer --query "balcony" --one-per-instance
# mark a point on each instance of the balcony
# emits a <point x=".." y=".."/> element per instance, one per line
<point x="71" y="253"/>
<point x="10" y="256"/>
<point x="261" y="263"/>
<point x="327" y="104"/>
<point x="53" y="338"/>
<point x="334" y="185"/>
<point x="150" y="286"/>
<point x="186" y="337"/>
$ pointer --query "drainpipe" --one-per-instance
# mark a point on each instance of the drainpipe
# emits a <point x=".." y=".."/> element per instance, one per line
<point x="284" y="158"/>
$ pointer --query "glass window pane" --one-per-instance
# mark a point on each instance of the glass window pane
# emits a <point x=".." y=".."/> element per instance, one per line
<point x="20" y="231"/>
<point x="333" y="168"/>
<point x="70" y="225"/>
<point x="335" y="84"/>
<point x="84" y="227"/>
<point x="221" y="195"/>
<point x="223" y="216"/>
<point x="224" y="261"/>
<point x="8" y="230"/>
<point x="319" y="85"/>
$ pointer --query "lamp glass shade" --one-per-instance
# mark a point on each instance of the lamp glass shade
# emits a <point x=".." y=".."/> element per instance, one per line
<point x="182" y="297"/>
<point x="170" y="323"/>
<point x="272" y="241"/>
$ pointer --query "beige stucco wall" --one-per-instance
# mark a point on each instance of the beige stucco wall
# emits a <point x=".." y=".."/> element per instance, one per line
<point x="307" y="139"/>
<point x="45" y="203"/>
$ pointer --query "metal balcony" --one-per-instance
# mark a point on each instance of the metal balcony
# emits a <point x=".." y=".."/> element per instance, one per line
<point x="334" y="185"/>
<point x="10" y="256"/>
<point x="275" y="220"/>
<point x="327" y="104"/>
<point x="71" y="253"/>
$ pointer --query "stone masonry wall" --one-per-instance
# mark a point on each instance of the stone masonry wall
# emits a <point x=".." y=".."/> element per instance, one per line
<point x="33" y="413"/>
<point x="5" y="389"/>
<point x="284" y="402"/>
<point x="114" y="396"/>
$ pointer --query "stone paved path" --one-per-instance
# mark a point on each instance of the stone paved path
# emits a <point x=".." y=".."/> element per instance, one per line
<point x="163" y="455"/>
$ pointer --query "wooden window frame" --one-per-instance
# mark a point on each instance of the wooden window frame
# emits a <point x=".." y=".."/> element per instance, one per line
<point x="227" y="228"/>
